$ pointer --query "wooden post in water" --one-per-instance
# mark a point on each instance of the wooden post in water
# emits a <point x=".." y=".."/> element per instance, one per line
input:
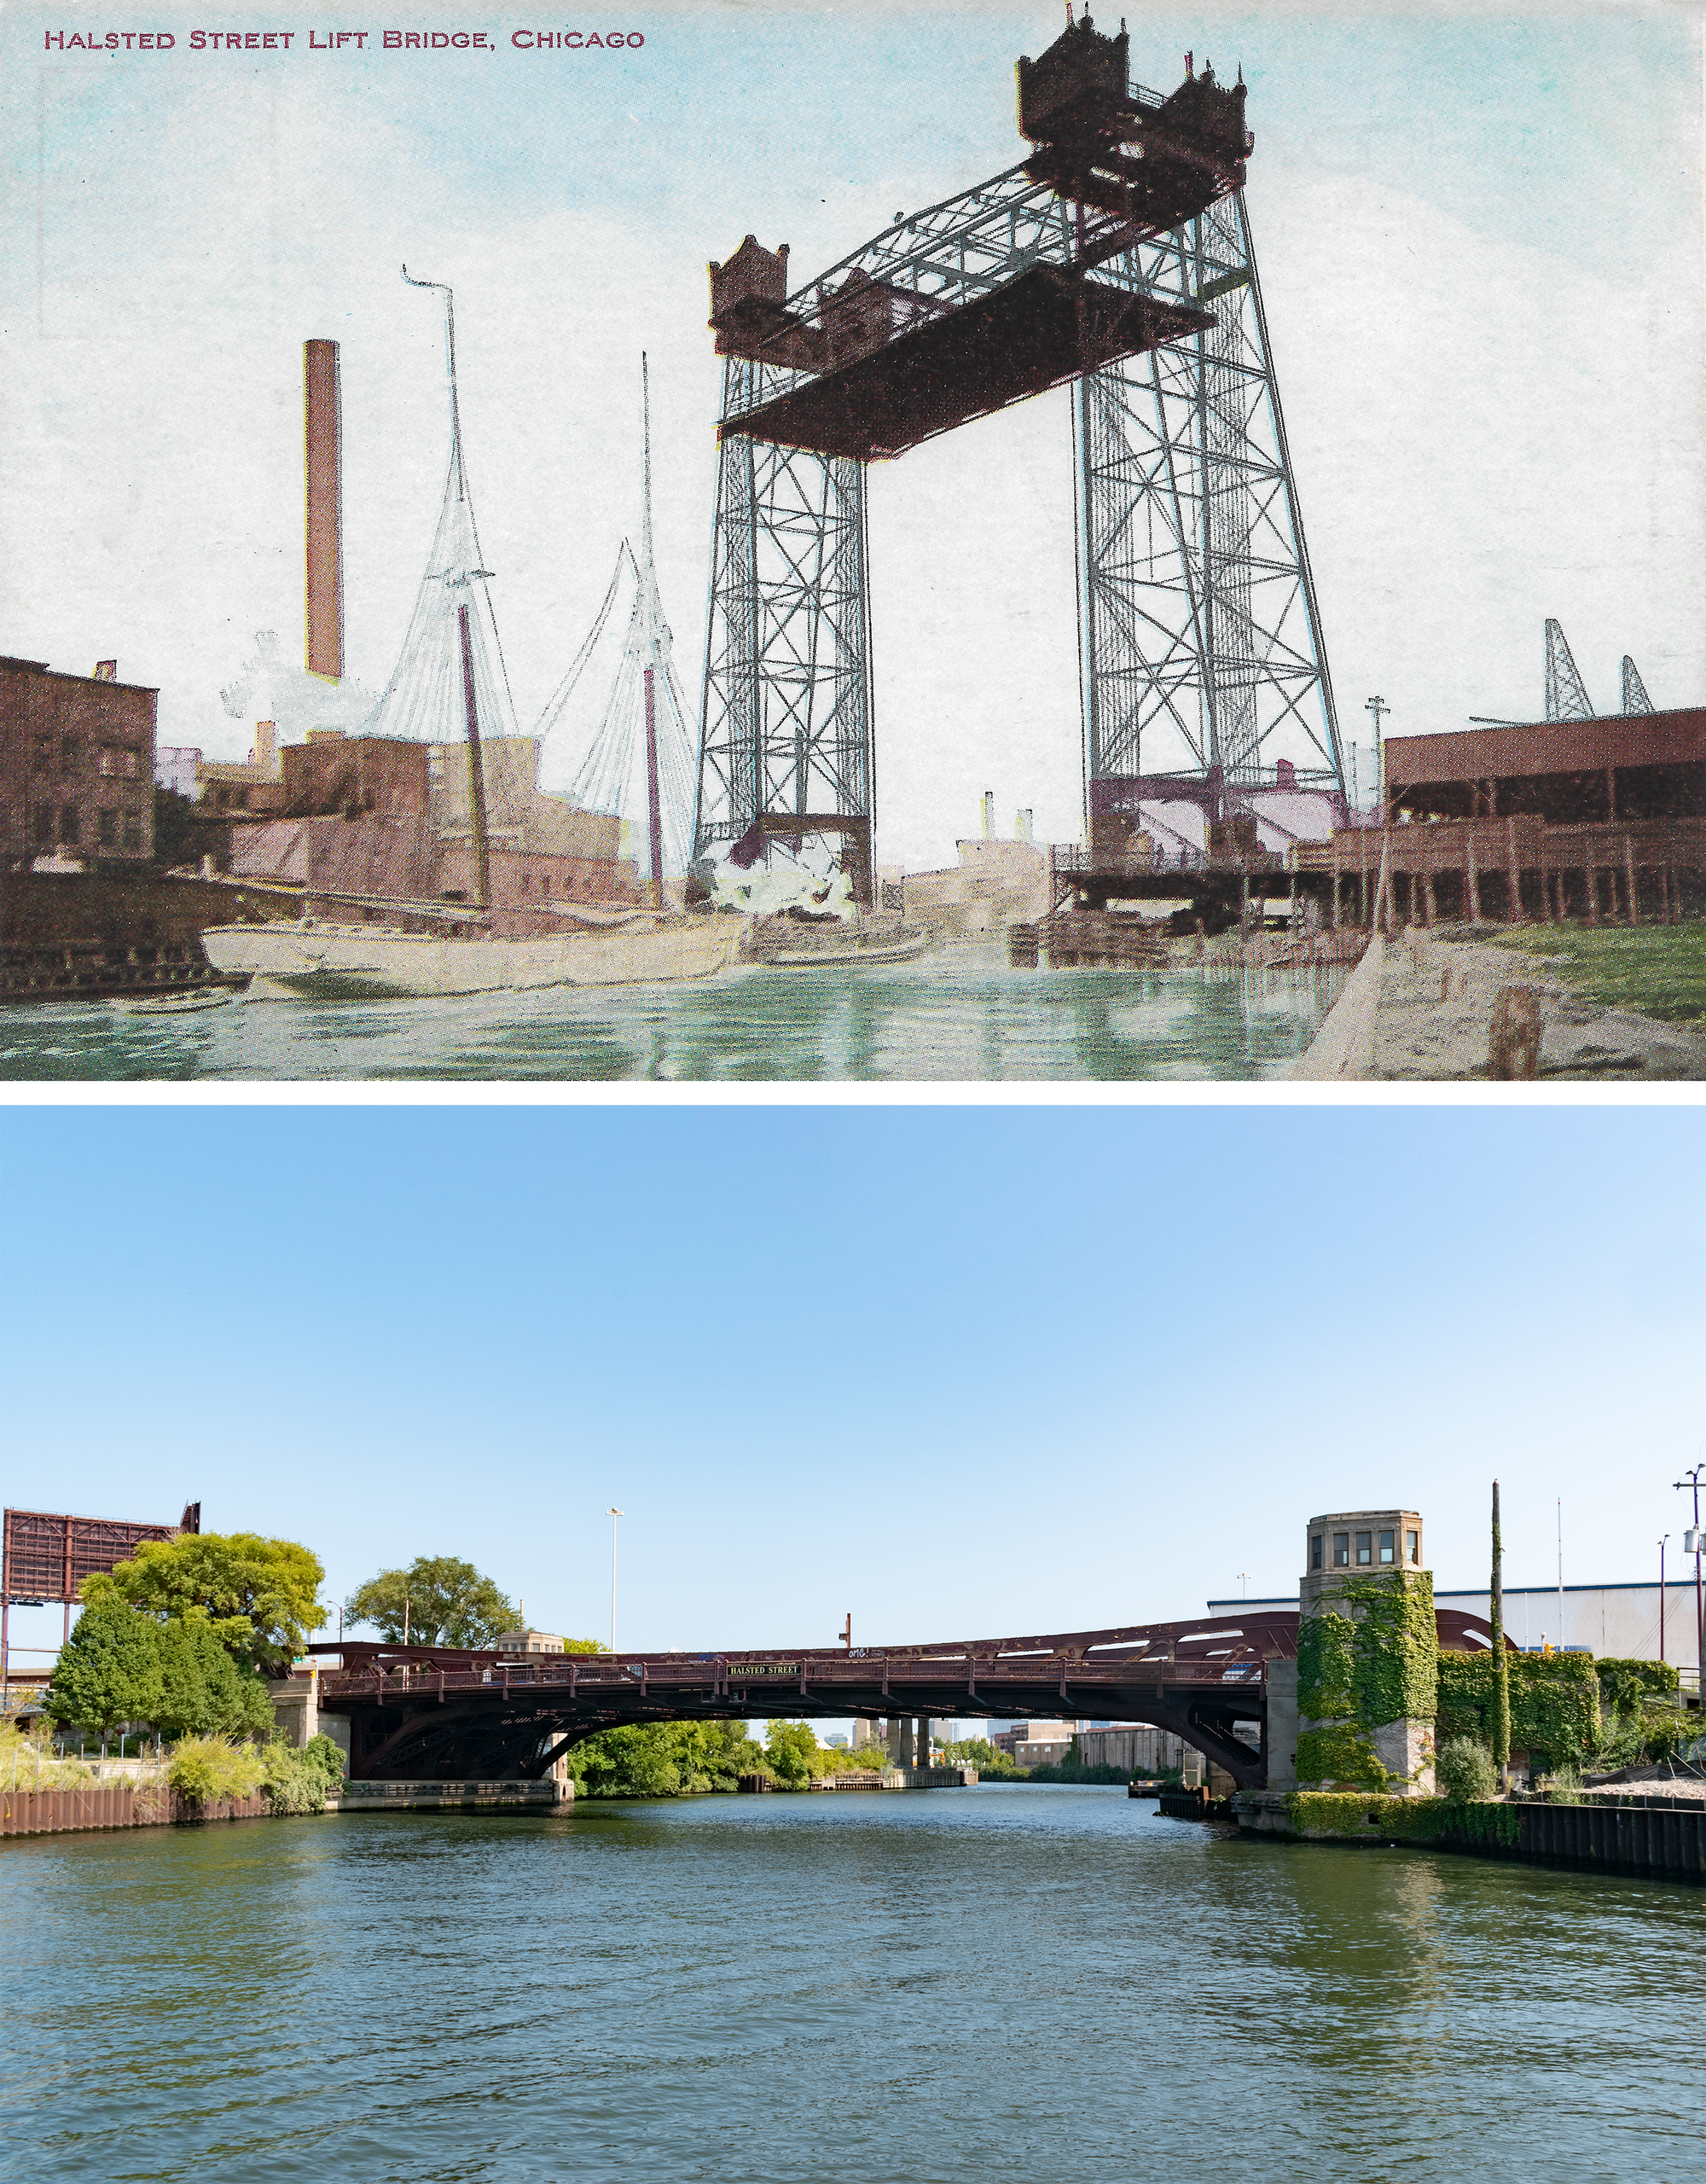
<point x="1629" y="871"/>
<point x="1473" y="871"/>
<point x="1516" y="873"/>
<point x="476" y="770"/>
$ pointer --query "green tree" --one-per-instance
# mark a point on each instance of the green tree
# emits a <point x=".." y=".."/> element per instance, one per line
<point x="258" y="1596"/>
<point x="978" y="1752"/>
<point x="109" y="1670"/>
<point x="664" y="1759"/>
<point x="793" y="1754"/>
<point x="447" y="1602"/>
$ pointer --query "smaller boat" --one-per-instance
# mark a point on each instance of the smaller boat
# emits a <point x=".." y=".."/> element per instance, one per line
<point x="171" y="1004"/>
<point x="880" y="948"/>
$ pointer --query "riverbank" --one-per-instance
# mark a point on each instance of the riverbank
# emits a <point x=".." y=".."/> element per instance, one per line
<point x="1421" y="1005"/>
<point x="1663" y="1840"/>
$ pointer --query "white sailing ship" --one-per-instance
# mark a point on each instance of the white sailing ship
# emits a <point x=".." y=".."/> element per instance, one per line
<point x="312" y="958"/>
<point x="452" y="662"/>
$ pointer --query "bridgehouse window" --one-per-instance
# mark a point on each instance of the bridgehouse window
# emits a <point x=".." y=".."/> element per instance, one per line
<point x="1341" y="1550"/>
<point x="1412" y="1547"/>
<point x="1365" y="1548"/>
<point x="1388" y="1547"/>
<point x="1316" y="1551"/>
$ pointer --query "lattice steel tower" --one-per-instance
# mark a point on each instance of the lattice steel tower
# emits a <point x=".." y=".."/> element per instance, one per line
<point x="1201" y="646"/>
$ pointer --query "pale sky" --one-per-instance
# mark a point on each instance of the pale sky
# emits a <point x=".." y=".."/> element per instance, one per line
<point x="1010" y="1378"/>
<point x="1480" y="242"/>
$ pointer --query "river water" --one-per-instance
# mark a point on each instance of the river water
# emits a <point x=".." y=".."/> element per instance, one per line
<point x="960" y="1014"/>
<point x="1045" y="1985"/>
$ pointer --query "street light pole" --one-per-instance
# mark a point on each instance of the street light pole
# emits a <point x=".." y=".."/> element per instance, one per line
<point x="1692" y="1543"/>
<point x="1377" y="706"/>
<point x="612" y="1514"/>
<point x="1661" y="1596"/>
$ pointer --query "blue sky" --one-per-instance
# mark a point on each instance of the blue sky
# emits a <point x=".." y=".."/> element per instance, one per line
<point x="964" y="1371"/>
<point x="1481" y="249"/>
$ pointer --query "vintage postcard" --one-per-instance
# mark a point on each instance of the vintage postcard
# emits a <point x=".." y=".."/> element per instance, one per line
<point x="908" y="542"/>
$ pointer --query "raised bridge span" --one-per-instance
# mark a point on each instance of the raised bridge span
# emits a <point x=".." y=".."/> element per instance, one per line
<point x="440" y="1712"/>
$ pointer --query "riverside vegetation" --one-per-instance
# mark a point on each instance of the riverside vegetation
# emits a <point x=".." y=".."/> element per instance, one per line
<point x="178" y="1642"/>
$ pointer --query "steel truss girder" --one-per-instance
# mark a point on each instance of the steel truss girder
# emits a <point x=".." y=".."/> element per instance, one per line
<point x="1200" y="640"/>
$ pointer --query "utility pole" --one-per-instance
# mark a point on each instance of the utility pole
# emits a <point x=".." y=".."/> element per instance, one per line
<point x="1378" y="706"/>
<point x="1661" y="1596"/>
<point x="613" y="1514"/>
<point x="1244" y="1580"/>
<point x="1501" y="1666"/>
<point x="1692" y="1543"/>
<point x="1560" y="1574"/>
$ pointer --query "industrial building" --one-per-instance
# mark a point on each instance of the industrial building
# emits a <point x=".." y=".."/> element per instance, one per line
<point x="77" y="767"/>
<point x="1597" y="818"/>
<point x="387" y="819"/>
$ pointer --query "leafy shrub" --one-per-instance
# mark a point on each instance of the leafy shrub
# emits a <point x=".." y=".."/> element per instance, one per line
<point x="1464" y="1771"/>
<point x="206" y="1769"/>
<point x="319" y="1752"/>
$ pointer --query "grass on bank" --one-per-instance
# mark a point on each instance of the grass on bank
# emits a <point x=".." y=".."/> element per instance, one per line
<point x="1658" y="970"/>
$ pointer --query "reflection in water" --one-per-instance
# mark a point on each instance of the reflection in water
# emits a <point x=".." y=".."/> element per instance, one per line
<point x="960" y="1014"/>
<point x="1047" y="1984"/>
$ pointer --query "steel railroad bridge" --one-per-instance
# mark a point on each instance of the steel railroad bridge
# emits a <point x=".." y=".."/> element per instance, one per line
<point x="430" y="1712"/>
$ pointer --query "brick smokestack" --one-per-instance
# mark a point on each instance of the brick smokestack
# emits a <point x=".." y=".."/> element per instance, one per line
<point x="323" y="447"/>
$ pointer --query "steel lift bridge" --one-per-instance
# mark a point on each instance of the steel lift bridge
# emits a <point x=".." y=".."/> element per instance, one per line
<point x="1117" y="258"/>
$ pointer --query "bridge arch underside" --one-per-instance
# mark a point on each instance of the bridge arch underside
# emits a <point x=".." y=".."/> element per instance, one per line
<point x="497" y="1737"/>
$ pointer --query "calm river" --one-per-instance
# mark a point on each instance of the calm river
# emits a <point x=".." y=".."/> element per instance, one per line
<point x="972" y="1986"/>
<point x="959" y="1014"/>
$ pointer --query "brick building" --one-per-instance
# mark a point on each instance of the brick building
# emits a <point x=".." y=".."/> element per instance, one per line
<point x="77" y="765"/>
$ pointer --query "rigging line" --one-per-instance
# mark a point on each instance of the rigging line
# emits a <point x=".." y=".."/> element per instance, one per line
<point x="559" y="697"/>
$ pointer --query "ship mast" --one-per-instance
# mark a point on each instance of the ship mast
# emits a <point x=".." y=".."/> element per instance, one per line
<point x="463" y="579"/>
<point x="654" y="612"/>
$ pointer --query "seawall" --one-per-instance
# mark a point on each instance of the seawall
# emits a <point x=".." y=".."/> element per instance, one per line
<point x="1663" y="1842"/>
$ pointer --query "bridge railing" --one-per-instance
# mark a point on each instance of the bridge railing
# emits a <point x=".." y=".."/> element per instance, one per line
<point x="719" y="1676"/>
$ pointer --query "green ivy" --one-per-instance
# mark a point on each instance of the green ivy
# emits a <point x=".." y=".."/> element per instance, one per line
<point x="1327" y="1667"/>
<point x="1397" y="1647"/>
<point x="1623" y="1685"/>
<point x="1554" y="1703"/>
<point x="1339" y="1753"/>
<point x="1376" y="1666"/>
<point x="1347" y="1817"/>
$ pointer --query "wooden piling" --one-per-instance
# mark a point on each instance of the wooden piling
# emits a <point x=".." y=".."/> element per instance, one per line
<point x="1516" y="873"/>
<point x="1474" y="872"/>
<point x="1629" y="871"/>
